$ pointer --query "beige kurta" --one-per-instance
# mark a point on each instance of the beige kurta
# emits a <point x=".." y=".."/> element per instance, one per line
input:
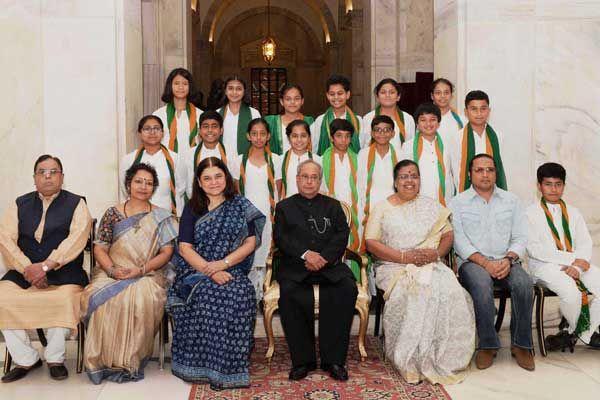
<point x="56" y="306"/>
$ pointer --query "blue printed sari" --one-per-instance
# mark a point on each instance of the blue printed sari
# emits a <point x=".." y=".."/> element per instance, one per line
<point x="214" y="324"/>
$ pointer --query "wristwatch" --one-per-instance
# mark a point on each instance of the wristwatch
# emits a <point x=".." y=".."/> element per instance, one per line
<point x="512" y="259"/>
<point x="45" y="268"/>
<point x="226" y="261"/>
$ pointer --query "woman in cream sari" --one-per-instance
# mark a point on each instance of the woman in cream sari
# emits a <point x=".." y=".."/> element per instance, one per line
<point x="124" y="303"/>
<point x="428" y="318"/>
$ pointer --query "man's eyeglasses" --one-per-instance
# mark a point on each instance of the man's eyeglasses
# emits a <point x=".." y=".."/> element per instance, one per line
<point x="51" y="172"/>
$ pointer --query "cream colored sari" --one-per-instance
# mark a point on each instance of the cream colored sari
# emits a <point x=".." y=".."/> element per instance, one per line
<point x="123" y="316"/>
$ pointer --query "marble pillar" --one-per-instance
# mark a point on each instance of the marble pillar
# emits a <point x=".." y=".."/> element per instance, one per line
<point x="536" y="60"/>
<point x="71" y="75"/>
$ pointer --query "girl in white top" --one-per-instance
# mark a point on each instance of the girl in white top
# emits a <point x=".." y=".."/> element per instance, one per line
<point x="441" y="94"/>
<point x="211" y="130"/>
<point x="172" y="176"/>
<point x="298" y="135"/>
<point x="388" y="95"/>
<point x="236" y="115"/>
<point x="179" y="115"/>
<point x="260" y="182"/>
<point x="291" y="99"/>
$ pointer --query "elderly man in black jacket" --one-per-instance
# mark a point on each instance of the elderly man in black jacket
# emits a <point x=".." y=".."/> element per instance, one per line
<point x="311" y="233"/>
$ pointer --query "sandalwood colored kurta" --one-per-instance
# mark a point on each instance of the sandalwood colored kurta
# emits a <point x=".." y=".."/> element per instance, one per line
<point x="56" y="306"/>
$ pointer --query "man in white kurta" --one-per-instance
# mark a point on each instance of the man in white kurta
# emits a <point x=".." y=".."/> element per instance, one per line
<point x="162" y="196"/>
<point x="557" y="269"/>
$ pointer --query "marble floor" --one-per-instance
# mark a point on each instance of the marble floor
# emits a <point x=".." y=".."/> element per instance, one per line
<point x="558" y="376"/>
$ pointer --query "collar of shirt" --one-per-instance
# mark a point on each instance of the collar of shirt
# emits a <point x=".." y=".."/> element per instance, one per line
<point x="471" y="193"/>
<point x="48" y="200"/>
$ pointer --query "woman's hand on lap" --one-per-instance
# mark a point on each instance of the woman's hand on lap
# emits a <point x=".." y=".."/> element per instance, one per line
<point x="221" y="277"/>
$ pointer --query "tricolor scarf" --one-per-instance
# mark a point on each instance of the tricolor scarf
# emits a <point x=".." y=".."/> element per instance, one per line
<point x="244" y="118"/>
<point x="457" y="119"/>
<point x="276" y="141"/>
<point x="190" y="109"/>
<point x="329" y="175"/>
<point x="270" y="177"/>
<point x="170" y="166"/>
<point x="370" y="171"/>
<point x="398" y="118"/>
<point x="325" y="135"/>
<point x="198" y="155"/>
<point x="492" y="148"/>
<point x="583" y="323"/>
<point x="441" y="167"/>
<point x="284" y="168"/>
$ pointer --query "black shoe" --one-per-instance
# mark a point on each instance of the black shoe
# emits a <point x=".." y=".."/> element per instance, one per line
<point x="595" y="341"/>
<point x="561" y="341"/>
<point x="338" y="372"/>
<point x="19" y="372"/>
<point x="298" y="373"/>
<point x="58" y="372"/>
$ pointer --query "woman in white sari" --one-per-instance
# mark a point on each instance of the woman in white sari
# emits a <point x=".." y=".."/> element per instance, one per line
<point x="428" y="318"/>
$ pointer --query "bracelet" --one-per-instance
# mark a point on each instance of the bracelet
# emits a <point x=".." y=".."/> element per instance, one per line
<point x="226" y="261"/>
<point x="110" y="271"/>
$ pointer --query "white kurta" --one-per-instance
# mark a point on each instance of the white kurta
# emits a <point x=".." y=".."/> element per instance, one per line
<point x="365" y="130"/>
<point x="257" y="191"/>
<point x="315" y="130"/>
<point x="382" y="183"/>
<point x="546" y="262"/>
<point x="232" y="164"/>
<point x="295" y="160"/>
<point x="230" y="128"/>
<point x="183" y="127"/>
<point x="428" y="168"/>
<point x="455" y="147"/>
<point x="162" y="196"/>
<point x="448" y="125"/>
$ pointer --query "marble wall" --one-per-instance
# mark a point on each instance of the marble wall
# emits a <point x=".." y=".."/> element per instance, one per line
<point x="71" y="89"/>
<point x="401" y="39"/>
<point x="536" y="60"/>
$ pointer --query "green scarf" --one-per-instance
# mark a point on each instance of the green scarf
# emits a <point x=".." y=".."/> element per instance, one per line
<point x="325" y="137"/>
<point x="276" y="141"/>
<point x="244" y="119"/>
<point x="468" y="152"/>
<point x="328" y="162"/>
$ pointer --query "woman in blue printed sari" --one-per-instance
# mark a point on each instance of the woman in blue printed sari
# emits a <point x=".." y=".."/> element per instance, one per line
<point x="212" y="301"/>
<point x="124" y="303"/>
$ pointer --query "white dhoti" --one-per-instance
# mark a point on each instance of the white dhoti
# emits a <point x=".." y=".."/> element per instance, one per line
<point x="551" y="276"/>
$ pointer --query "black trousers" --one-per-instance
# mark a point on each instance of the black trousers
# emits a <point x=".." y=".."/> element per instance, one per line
<point x="336" y="311"/>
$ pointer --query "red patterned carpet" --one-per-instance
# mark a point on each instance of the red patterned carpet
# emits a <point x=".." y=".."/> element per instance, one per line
<point x="372" y="380"/>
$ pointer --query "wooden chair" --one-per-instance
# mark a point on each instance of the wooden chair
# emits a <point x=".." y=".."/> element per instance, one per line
<point x="271" y="296"/>
<point x="80" y="327"/>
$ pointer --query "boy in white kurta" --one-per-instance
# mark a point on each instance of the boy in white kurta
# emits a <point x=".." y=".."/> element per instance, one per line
<point x="298" y="135"/>
<point x="340" y="178"/>
<point x="476" y="137"/>
<point x="560" y="250"/>
<point x="429" y="149"/>
<point x="338" y="94"/>
<point x="211" y="131"/>
<point x="260" y="182"/>
<point x="168" y="164"/>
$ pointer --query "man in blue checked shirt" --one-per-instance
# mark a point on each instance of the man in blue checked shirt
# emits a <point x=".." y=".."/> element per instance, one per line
<point x="490" y="236"/>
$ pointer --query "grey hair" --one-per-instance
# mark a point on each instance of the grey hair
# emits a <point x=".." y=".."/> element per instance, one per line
<point x="310" y="161"/>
